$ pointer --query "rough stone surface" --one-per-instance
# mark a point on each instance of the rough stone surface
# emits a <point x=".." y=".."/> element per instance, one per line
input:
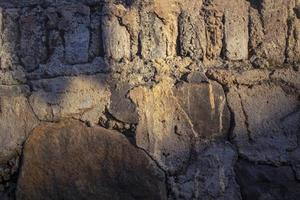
<point x="55" y="68"/>
<point x="293" y="44"/>
<point x="267" y="182"/>
<point x="209" y="176"/>
<point x="192" y="36"/>
<point x="75" y="22"/>
<point x="271" y="30"/>
<point x="236" y="30"/>
<point x="199" y="86"/>
<point x="16" y="121"/>
<point x="261" y="132"/>
<point x="10" y="37"/>
<point x="168" y="122"/>
<point x="32" y="46"/>
<point x="116" y="38"/>
<point x="11" y="72"/>
<point x="121" y="106"/>
<point x="205" y="105"/>
<point x="164" y="129"/>
<point x="82" y="97"/>
<point x="70" y="161"/>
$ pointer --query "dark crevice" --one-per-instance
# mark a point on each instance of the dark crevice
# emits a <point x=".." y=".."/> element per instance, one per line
<point x="289" y="34"/>
<point x="139" y="51"/>
<point x="17" y="163"/>
<point x="112" y="123"/>
<point x="158" y="165"/>
<point x="246" y="119"/>
<point x="178" y="42"/>
<point x="230" y="134"/>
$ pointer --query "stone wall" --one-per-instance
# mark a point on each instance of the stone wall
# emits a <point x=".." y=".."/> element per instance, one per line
<point x="149" y="99"/>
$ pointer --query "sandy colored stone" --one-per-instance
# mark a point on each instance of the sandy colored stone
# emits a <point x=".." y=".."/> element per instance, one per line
<point x="260" y="114"/>
<point x="116" y="39"/>
<point x="210" y="175"/>
<point x="274" y="15"/>
<point x="164" y="130"/>
<point x="171" y="117"/>
<point x="70" y="161"/>
<point x="192" y="38"/>
<point x="82" y="97"/>
<point x="17" y="120"/>
<point x="236" y="30"/>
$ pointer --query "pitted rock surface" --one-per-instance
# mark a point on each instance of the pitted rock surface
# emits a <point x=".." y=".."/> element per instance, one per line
<point x="70" y="161"/>
<point x="207" y="92"/>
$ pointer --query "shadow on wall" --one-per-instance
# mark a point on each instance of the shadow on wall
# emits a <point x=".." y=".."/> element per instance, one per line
<point x="54" y="59"/>
<point x="52" y="67"/>
<point x="183" y="128"/>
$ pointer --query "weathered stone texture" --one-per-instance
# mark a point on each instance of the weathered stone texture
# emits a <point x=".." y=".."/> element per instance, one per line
<point x="82" y="97"/>
<point x="214" y="30"/>
<point x="16" y="120"/>
<point x="33" y="38"/>
<point x="210" y="175"/>
<point x="116" y="39"/>
<point x="164" y="130"/>
<point x="198" y="87"/>
<point x="206" y="106"/>
<point x="10" y="38"/>
<point x="236" y="30"/>
<point x="10" y="70"/>
<point x="293" y="43"/>
<point x="265" y="106"/>
<point x="75" y="22"/>
<point x="153" y="37"/>
<point x="70" y="161"/>
<point x="267" y="182"/>
<point x="121" y="106"/>
<point x="96" y="42"/>
<point x="192" y="38"/>
<point x="260" y="132"/>
<point x="172" y="117"/>
<point x="274" y="19"/>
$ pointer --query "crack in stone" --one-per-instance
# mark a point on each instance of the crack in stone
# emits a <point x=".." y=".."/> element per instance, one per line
<point x="246" y="118"/>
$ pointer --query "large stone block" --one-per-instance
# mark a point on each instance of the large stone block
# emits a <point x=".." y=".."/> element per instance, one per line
<point x="17" y="120"/>
<point x="205" y="105"/>
<point x="11" y="72"/>
<point x="121" y="106"/>
<point x="10" y="38"/>
<point x="164" y="130"/>
<point x="158" y="35"/>
<point x="70" y="161"/>
<point x="267" y="182"/>
<point x="153" y="37"/>
<point x="227" y="29"/>
<point x="172" y="117"/>
<point x="262" y="114"/>
<point x="274" y="15"/>
<point x="192" y="38"/>
<point x="210" y="175"/>
<point x="82" y="97"/>
<point x="116" y="39"/>
<point x="293" y="42"/>
<point x="33" y="50"/>
<point x="75" y="22"/>
<point x="213" y="16"/>
<point x="236" y="36"/>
